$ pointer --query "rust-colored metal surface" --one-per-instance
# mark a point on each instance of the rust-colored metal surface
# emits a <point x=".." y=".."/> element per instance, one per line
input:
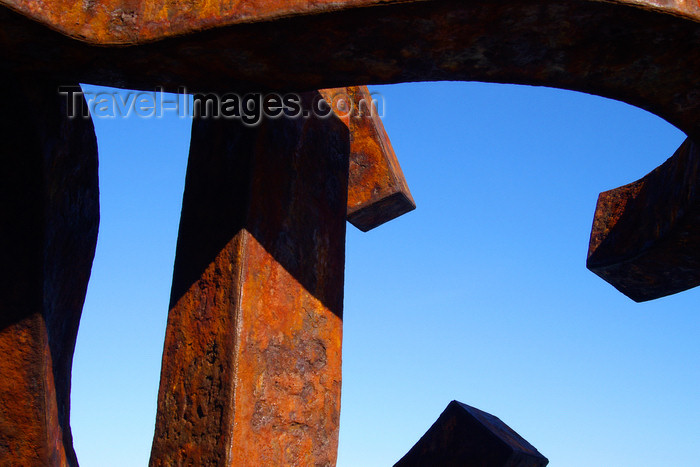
<point x="138" y="21"/>
<point x="377" y="188"/>
<point x="49" y="207"/>
<point x="646" y="235"/>
<point x="466" y="436"/>
<point x="251" y="369"/>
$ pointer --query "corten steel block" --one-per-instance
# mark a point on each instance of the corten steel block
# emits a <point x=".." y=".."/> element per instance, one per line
<point x="377" y="190"/>
<point x="645" y="239"/>
<point x="50" y="214"/>
<point x="466" y="436"/>
<point x="251" y="369"/>
<point x="644" y="52"/>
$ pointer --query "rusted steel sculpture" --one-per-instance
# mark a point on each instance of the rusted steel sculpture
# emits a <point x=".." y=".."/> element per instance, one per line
<point x="464" y="436"/>
<point x="644" y="52"/>
<point x="652" y="222"/>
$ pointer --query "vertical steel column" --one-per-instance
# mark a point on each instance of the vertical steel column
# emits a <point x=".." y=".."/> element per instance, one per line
<point x="50" y="213"/>
<point x="252" y="361"/>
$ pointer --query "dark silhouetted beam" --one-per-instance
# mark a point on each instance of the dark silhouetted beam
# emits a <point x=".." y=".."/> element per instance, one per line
<point x="465" y="436"/>
<point x="645" y="239"/>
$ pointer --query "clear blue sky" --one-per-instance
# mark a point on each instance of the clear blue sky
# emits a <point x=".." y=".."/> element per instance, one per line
<point x="480" y="295"/>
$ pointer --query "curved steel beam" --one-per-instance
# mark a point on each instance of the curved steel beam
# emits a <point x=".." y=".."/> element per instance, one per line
<point x="643" y="52"/>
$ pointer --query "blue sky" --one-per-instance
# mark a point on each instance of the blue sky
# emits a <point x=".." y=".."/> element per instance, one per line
<point x="480" y="295"/>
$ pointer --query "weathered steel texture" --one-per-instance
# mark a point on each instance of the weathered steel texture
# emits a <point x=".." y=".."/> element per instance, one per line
<point x="49" y="206"/>
<point x="645" y="239"/>
<point x="138" y="21"/>
<point x="466" y="436"/>
<point x="252" y="362"/>
<point x="377" y="188"/>
<point x="643" y="53"/>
